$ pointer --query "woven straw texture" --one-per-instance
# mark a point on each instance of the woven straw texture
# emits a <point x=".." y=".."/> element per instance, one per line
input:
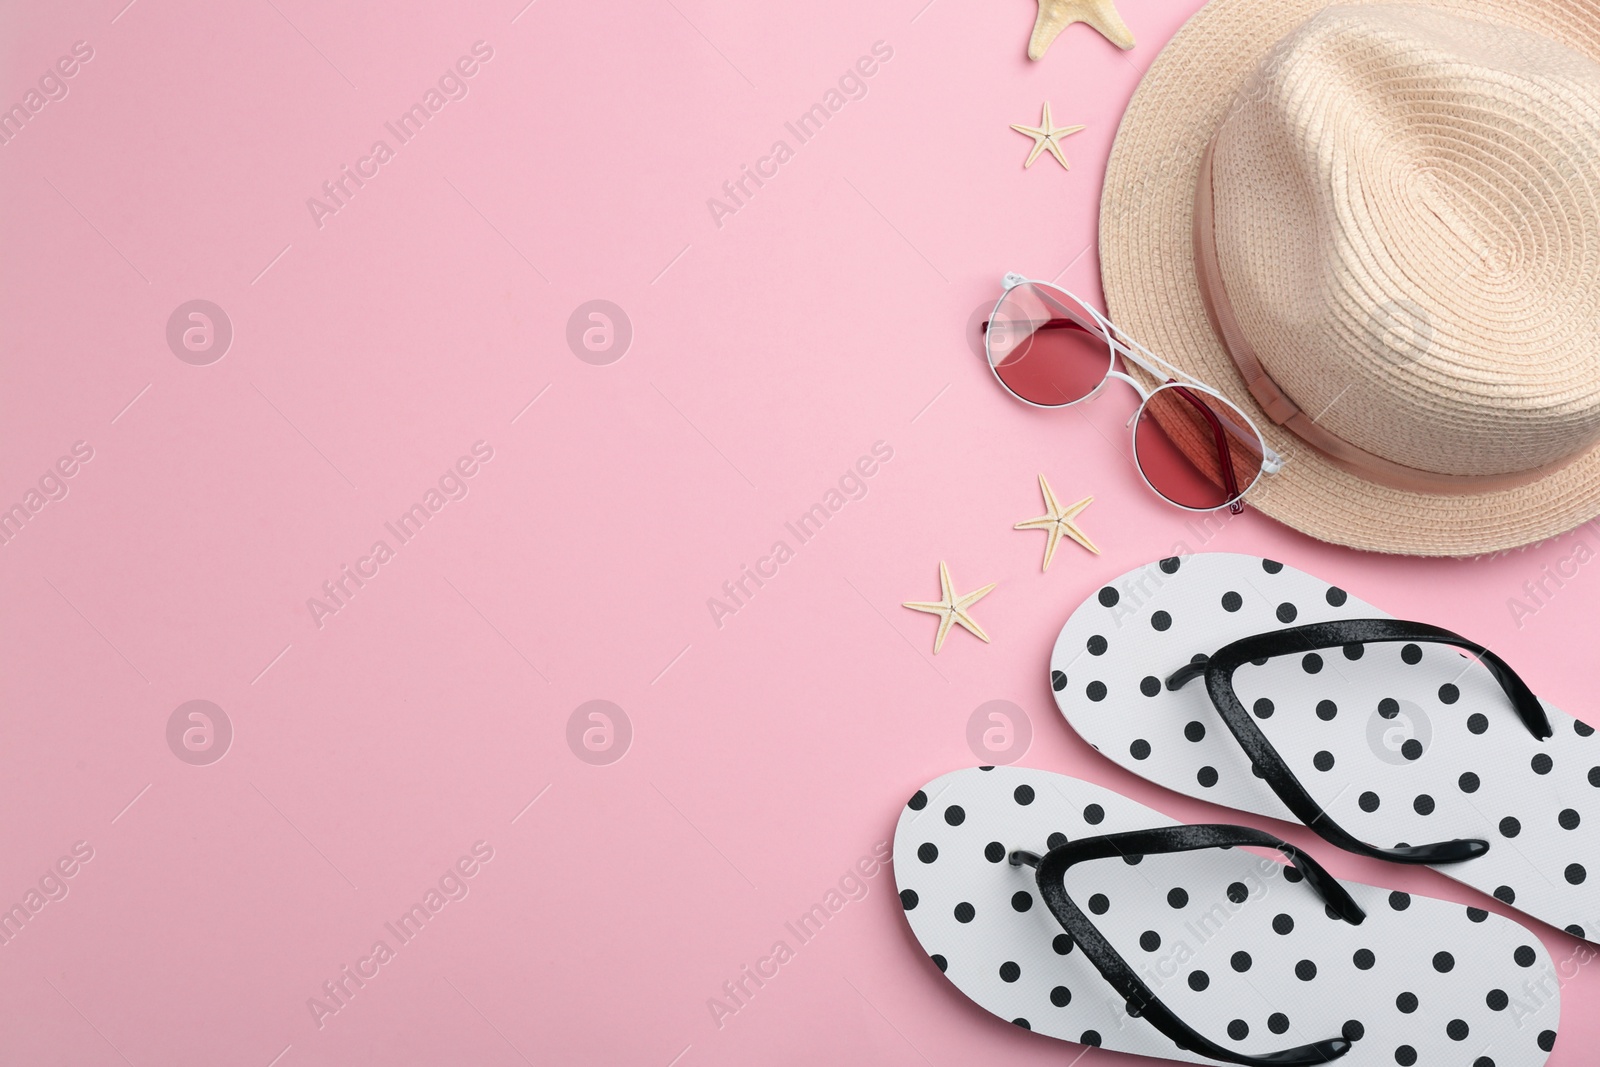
<point x="1408" y="221"/>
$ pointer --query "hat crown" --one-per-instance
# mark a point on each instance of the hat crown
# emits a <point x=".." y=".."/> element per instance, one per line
<point x="1407" y="209"/>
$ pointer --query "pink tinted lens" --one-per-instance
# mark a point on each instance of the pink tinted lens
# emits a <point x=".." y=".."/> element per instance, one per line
<point x="1195" y="449"/>
<point x="1044" y="349"/>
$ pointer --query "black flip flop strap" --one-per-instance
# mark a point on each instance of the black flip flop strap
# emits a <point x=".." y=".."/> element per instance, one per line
<point x="1218" y="670"/>
<point x="1050" y="872"/>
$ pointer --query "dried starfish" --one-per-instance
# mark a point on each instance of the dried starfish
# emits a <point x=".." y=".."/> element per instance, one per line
<point x="952" y="610"/>
<point x="1057" y="15"/>
<point x="1057" y="521"/>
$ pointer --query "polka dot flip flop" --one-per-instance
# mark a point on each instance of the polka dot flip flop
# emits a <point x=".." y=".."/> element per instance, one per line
<point x="1075" y="912"/>
<point x="1250" y="684"/>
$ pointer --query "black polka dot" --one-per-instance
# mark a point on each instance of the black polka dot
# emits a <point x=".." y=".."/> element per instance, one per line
<point x="1524" y="955"/>
<point x="1021" y="900"/>
<point x="1468" y="782"/>
<point x="1177" y="898"/>
<point x="1058" y="680"/>
<point x="1594" y="777"/>
<point x="1061" y="996"/>
<point x="1541" y="763"/>
<point x="1443" y="962"/>
<point x="1323" y="761"/>
<point x="918" y="801"/>
<point x="1582" y="729"/>
<point x="1022" y="1023"/>
<point x="908" y="898"/>
<point x="1282" y="923"/>
<point x="1287" y="612"/>
<point x="1271" y="566"/>
<point x="1232" y="601"/>
<point x="1055" y="840"/>
<point x="1149" y="940"/>
<point x="1305" y="970"/>
<point x="1568" y="819"/>
<point x="1290" y="873"/>
<point x="1353" y="1030"/>
<point x="1095" y="691"/>
<point x="1506" y="894"/>
<point x="1277" y="1022"/>
<point x="1206" y="776"/>
<point x="1483" y="1061"/>
<point x="1062" y="944"/>
<point x="1405" y="1055"/>
<point x="1097" y="645"/>
<point x="1363" y="959"/>
<point x="1023" y="794"/>
<point x="1099" y="904"/>
<point x="1010" y="972"/>
<point x="964" y="912"/>
<point x="927" y="852"/>
<point x="1238" y="893"/>
<point x="1477" y="722"/>
<point x="1547" y="1040"/>
<point x="1195" y="730"/>
<point x="1335" y="596"/>
<point x="1411" y="654"/>
<point x="1354" y="651"/>
<point x="1368" y="801"/>
<point x="1240" y="961"/>
<point x="1406" y="1002"/>
<point x="1133" y="860"/>
<point x="1263" y="708"/>
<point x="1388" y="707"/>
<point x="1150" y="685"/>
<point x="1411" y="749"/>
<point x="1090" y="1038"/>
<point x="1510" y="827"/>
<point x="1161" y="621"/>
<point x="1399" y="901"/>
<point x="1423" y="805"/>
<point x="1109" y="597"/>
<point x="1575" y="873"/>
<point x="1326" y="710"/>
<point x="1497" y="1000"/>
<point x="1093" y="814"/>
<point x="1448" y="694"/>
<point x="955" y="815"/>
<point x="1311" y="663"/>
<point x="1140" y="749"/>
<point x="994" y="852"/>
<point x="1199" y="980"/>
<point x="1170" y="565"/>
<point x="1476" y="915"/>
<point x="1238" y="1029"/>
<point x="1456" y="1029"/>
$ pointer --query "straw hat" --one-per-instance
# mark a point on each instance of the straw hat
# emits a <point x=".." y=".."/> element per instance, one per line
<point x="1398" y="235"/>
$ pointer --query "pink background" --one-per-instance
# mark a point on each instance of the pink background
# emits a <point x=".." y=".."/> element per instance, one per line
<point x="369" y="354"/>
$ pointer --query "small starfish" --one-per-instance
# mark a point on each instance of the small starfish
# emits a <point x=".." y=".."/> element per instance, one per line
<point x="1047" y="138"/>
<point x="1057" y="15"/>
<point x="1057" y="521"/>
<point x="953" y="609"/>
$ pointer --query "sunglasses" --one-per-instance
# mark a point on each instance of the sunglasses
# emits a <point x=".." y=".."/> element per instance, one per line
<point x="1191" y="445"/>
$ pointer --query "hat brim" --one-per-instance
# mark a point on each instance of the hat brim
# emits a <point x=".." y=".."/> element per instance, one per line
<point x="1152" y="292"/>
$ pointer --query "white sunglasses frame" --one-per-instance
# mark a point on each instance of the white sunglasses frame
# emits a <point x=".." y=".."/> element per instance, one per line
<point x="1118" y="343"/>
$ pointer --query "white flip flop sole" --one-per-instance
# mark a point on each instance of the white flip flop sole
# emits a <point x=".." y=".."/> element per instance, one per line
<point x="1407" y="743"/>
<point x="1237" y="944"/>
